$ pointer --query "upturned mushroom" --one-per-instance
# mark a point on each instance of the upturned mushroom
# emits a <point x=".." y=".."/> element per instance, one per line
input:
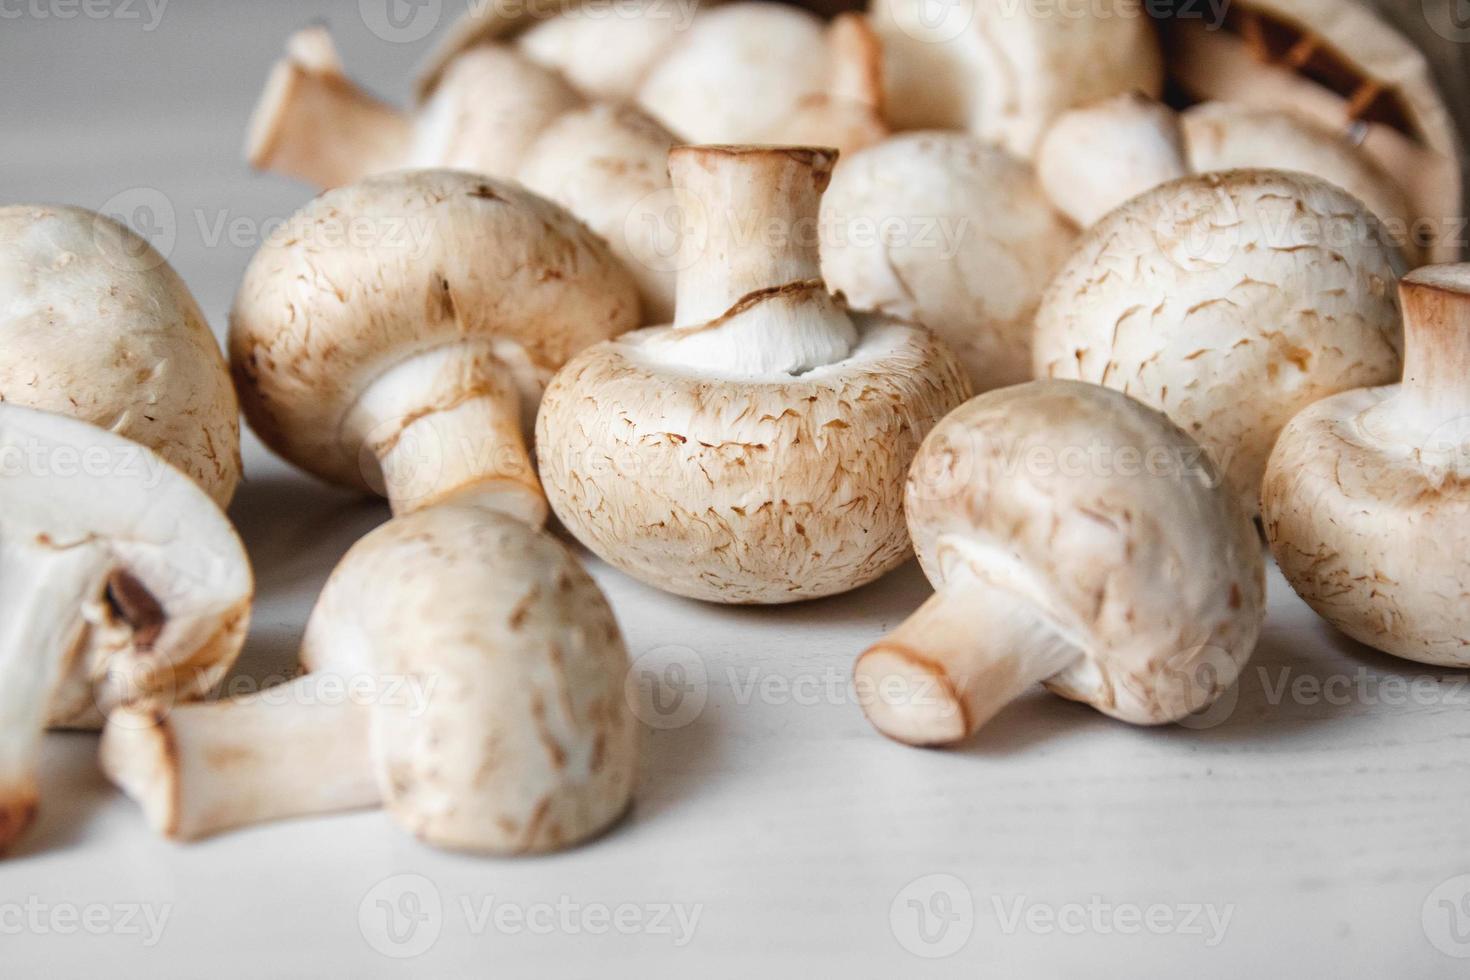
<point x="464" y="672"/>
<point x="491" y="111"/>
<point x="1096" y="157"/>
<point x="95" y="324"/>
<point x="1075" y="538"/>
<point x="1229" y="301"/>
<point x="1367" y="495"/>
<point x="754" y="450"/>
<point x="952" y="232"/>
<point x="119" y="579"/>
<point x="395" y="334"/>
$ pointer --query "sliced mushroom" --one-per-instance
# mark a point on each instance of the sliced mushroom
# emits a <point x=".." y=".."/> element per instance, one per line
<point x="492" y="112"/>
<point x="396" y="333"/>
<point x="1096" y="157"/>
<point x="1076" y="538"/>
<point x="1229" y="301"/>
<point x="119" y="579"/>
<point x="753" y="451"/>
<point x="464" y="671"/>
<point x="952" y="232"/>
<point x="1367" y="495"/>
<point x="95" y="324"/>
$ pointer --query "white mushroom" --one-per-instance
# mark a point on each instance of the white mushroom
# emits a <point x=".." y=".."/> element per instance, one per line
<point x="944" y="229"/>
<point x="464" y="671"/>
<point x="396" y="333"/>
<point x="119" y="579"/>
<point x="95" y="324"/>
<point x="849" y="113"/>
<point x="1005" y="71"/>
<point x="1229" y="301"/>
<point x="1366" y="499"/>
<point x="1075" y="538"/>
<point x="1340" y="63"/>
<point x="1096" y="157"/>
<point x="753" y="451"/>
<point x="492" y="111"/>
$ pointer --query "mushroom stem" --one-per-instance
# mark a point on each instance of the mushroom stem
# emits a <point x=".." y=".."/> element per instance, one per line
<point x="200" y="769"/>
<point x="951" y="666"/>
<point x="41" y="585"/>
<point x="313" y="123"/>
<point x="750" y="216"/>
<point x="1436" y="308"/>
<point x="446" y="424"/>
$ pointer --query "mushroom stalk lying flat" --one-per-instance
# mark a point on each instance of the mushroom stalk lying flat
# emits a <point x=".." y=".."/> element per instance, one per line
<point x="1230" y="302"/>
<point x="1075" y="537"/>
<point x="464" y="671"/>
<point x="95" y="324"/>
<point x="1366" y="499"/>
<point x="753" y="451"/>
<point x="119" y="579"/>
<point x="397" y="333"/>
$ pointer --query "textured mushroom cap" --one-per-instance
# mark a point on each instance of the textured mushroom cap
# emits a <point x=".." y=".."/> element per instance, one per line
<point x="1229" y="301"/>
<point x="1111" y="520"/>
<point x="172" y="596"/>
<point x="607" y="164"/>
<point x="1368" y="532"/>
<point x="733" y="471"/>
<point x="526" y="741"/>
<point x="369" y="275"/>
<point x="941" y="228"/>
<point x="95" y="324"/>
<point x="1004" y="71"/>
<point x="736" y="73"/>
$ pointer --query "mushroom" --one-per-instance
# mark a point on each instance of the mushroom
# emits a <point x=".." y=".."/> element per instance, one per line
<point x="1340" y="63"/>
<point x="1005" y="71"/>
<point x="849" y="113"/>
<point x="952" y="232"/>
<point x="95" y="324"/>
<point x="493" y="112"/>
<point x="465" y="673"/>
<point x="1365" y="500"/>
<point x="1229" y="301"/>
<point x="754" y="450"/>
<point x="1077" y="538"/>
<point x="1096" y="157"/>
<point x="119" y="579"/>
<point x="395" y="333"/>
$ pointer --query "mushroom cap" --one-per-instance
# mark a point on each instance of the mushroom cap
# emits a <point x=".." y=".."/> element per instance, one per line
<point x="1368" y="533"/>
<point x="95" y="324"/>
<point x="526" y="742"/>
<point x="737" y="72"/>
<point x="941" y="228"/>
<point x="764" y="489"/>
<point x="1229" y="301"/>
<point x="167" y="613"/>
<point x="369" y="275"/>
<point x="1005" y="72"/>
<point x="604" y="52"/>
<point x="1110" y="519"/>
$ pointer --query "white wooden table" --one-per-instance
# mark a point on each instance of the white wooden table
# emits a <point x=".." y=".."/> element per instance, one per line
<point x="1318" y="825"/>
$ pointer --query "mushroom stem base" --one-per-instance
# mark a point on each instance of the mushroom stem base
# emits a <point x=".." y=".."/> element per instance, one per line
<point x="951" y="666"/>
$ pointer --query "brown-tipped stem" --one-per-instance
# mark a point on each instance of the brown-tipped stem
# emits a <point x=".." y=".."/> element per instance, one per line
<point x="42" y="586"/>
<point x="750" y="217"/>
<point x="856" y="54"/>
<point x="201" y="769"/>
<point x="1436" y="307"/>
<point x="446" y="425"/>
<point x="313" y="123"/>
<point x="968" y="652"/>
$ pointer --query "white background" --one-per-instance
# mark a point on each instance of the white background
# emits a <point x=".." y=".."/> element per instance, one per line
<point x="1328" y="827"/>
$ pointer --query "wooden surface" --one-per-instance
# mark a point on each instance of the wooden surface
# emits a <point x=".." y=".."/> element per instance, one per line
<point x="1316" y="826"/>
